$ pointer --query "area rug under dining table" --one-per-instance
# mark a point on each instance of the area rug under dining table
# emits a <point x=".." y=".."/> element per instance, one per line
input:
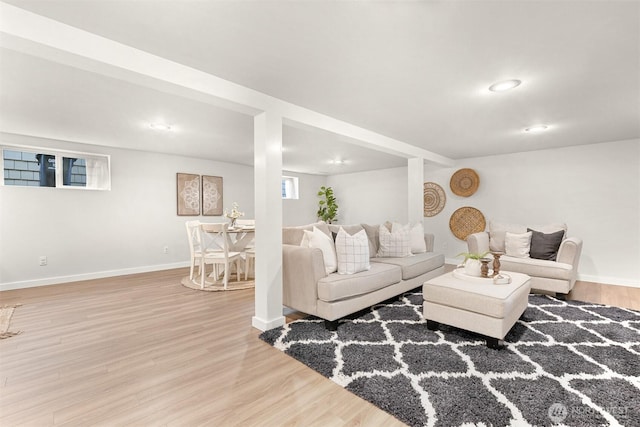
<point x="572" y="363"/>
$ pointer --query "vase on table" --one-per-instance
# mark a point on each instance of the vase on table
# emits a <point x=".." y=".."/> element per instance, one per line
<point x="473" y="267"/>
<point x="232" y="224"/>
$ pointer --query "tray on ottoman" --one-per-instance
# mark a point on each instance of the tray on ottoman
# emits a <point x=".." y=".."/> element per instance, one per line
<point x="480" y="307"/>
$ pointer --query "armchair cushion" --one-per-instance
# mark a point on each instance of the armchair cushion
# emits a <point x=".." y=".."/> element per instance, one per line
<point x="545" y="246"/>
<point x="497" y="232"/>
<point x="517" y="244"/>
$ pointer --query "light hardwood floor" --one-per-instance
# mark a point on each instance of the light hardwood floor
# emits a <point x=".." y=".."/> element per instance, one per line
<point x="142" y="350"/>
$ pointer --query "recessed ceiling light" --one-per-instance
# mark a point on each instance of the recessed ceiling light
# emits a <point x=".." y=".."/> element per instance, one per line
<point x="505" y="85"/>
<point x="536" y="128"/>
<point x="160" y="126"/>
<point x="337" y="162"/>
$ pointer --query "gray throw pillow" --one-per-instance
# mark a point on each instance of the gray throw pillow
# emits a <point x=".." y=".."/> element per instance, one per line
<point x="545" y="246"/>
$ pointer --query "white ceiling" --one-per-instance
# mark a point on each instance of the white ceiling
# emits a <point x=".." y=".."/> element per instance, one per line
<point x="417" y="72"/>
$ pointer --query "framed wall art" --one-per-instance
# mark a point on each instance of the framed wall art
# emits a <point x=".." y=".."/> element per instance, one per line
<point x="211" y="195"/>
<point x="188" y="194"/>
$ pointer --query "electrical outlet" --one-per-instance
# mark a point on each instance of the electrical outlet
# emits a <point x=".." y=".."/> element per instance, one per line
<point x="166" y="249"/>
<point x="43" y="261"/>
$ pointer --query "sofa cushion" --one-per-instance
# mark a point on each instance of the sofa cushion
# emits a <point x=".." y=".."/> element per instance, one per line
<point x="394" y="243"/>
<point x="414" y="266"/>
<point x="537" y="267"/>
<point x="498" y="229"/>
<point x="352" y="251"/>
<point x="416" y="235"/>
<point x="517" y="244"/>
<point x="318" y="239"/>
<point x="350" y="229"/>
<point x="293" y="235"/>
<point x="336" y="286"/>
<point x="373" y="234"/>
<point x="545" y="245"/>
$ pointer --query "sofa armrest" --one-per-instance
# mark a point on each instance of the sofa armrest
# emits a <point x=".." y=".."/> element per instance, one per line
<point x="301" y="269"/>
<point x="569" y="252"/>
<point x="478" y="243"/>
<point x="429" y="240"/>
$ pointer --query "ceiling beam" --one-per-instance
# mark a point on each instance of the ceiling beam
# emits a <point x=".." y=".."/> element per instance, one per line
<point x="43" y="37"/>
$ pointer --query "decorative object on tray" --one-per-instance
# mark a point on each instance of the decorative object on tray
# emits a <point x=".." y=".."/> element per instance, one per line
<point x="472" y="263"/>
<point x="233" y="215"/>
<point x="188" y="194"/>
<point x="465" y="221"/>
<point x="464" y="182"/>
<point x="496" y="262"/>
<point x="434" y="199"/>
<point x="484" y="269"/>
<point x="459" y="273"/>
<point x="211" y="195"/>
<point x="501" y="279"/>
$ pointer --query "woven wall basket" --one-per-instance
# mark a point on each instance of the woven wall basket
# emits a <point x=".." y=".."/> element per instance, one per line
<point x="434" y="199"/>
<point x="464" y="182"/>
<point x="465" y="221"/>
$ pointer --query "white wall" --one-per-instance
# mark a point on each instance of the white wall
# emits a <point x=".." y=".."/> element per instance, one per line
<point x="302" y="210"/>
<point x="89" y="234"/>
<point x="371" y="197"/>
<point x="595" y="189"/>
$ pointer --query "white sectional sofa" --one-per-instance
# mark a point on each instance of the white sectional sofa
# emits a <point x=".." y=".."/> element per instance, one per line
<point x="309" y="288"/>
<point x="550" y="270"/>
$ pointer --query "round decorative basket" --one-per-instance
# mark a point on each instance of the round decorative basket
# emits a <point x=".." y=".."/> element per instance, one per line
<point x="464" y="182"/>
<point x="465" y="221"/>
<point x="434" y="199"/>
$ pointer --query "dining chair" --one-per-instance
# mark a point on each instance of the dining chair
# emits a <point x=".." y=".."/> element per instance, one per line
<point x="195" y="245"/>
<point x="219" y="255"/>
<point x="249" y="259"/>
<point x="249" y="251"/>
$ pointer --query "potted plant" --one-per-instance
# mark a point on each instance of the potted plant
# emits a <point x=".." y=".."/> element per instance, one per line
<point x="472" y="265"/>
<point x="327" y="206"/>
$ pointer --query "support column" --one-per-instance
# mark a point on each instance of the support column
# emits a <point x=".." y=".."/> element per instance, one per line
<point x="415" y="186"/>
<point x="268" y="208"/>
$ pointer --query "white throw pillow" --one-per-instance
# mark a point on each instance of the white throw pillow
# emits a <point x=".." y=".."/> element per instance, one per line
<point x="318" y="239"/>
<point x="352" y="252"/>
<point x="416" y="235"/>
<point x="517" y="244"/>
<point x="395" y="243"/>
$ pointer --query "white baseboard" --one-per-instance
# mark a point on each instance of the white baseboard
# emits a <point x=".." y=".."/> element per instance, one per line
<point x="265" y="325"/>
<point x="617" y="281"/>
<point x="605" y="280"/>
<point x="88" y="276"/>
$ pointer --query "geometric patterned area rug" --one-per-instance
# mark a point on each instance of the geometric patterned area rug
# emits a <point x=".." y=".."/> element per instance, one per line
<point x="567" y="363"/>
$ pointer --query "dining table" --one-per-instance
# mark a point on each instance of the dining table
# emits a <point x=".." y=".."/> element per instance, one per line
<point x="238" y="237"/>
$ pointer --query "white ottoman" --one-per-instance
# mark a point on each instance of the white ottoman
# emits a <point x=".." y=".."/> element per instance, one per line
<point x="476" y="304"/>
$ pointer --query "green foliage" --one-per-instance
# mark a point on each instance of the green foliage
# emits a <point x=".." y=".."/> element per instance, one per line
<point x="471" y="255"/>
<point x="327" y="206"/>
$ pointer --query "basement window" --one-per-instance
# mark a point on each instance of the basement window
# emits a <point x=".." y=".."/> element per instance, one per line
<point x="33" y="167"/>
<point x="289" y="187"/>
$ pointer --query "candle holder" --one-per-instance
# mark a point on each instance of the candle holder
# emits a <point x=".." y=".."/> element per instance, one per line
<point x="496" y="262"/>
<point x="484" y="269"/>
